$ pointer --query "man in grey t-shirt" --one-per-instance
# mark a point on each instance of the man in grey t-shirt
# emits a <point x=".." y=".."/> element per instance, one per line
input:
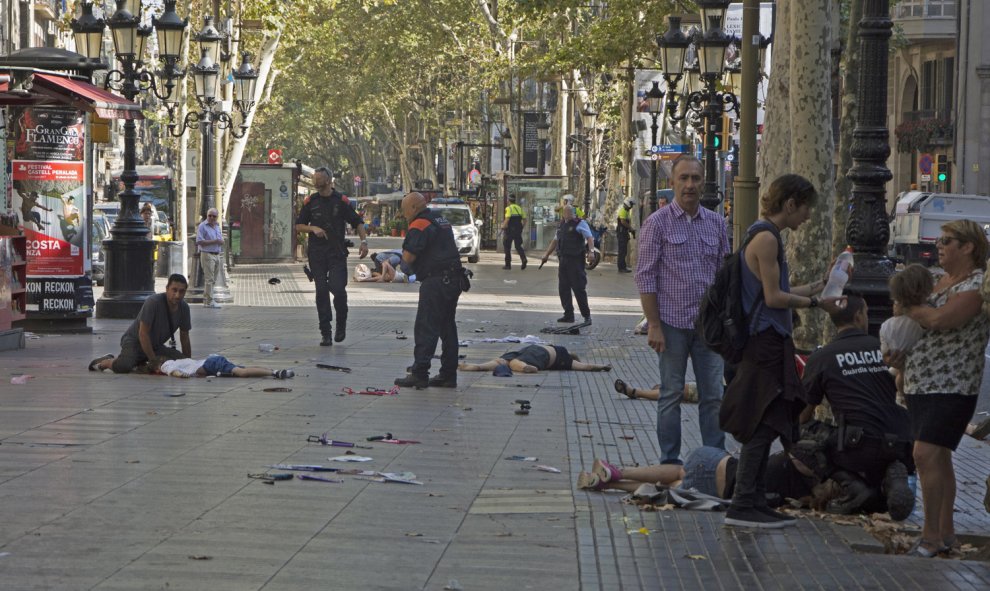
<point x="145" y="339"/>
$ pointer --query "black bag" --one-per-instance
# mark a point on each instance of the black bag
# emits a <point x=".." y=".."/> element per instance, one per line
<point x="722" y="324"/>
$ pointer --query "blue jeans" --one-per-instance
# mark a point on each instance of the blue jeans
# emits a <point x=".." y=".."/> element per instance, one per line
<point x="679" y="344"/>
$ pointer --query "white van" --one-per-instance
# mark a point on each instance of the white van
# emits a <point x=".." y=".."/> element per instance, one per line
<point x="466" y="229"/>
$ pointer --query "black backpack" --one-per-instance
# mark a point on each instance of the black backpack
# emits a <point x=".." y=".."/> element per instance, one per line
<point x="722" y="324"/>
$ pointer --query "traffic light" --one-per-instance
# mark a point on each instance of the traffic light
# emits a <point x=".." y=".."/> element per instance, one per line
<point x="942" y="169"/>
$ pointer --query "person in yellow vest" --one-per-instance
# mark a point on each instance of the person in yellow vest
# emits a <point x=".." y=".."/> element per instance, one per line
<point x="569" y="200"/>
<point x="623" y="230"/>
<point x="512" y="231"/>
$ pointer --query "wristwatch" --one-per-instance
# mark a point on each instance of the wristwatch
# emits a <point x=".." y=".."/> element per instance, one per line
<point x="814" y="302"/>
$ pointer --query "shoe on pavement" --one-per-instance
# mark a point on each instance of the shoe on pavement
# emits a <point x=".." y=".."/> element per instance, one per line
<point x="341" y="333"/>
<point x="94" y="363"/>
<point x="507" y="267"/>
<point x="439" y="381"/>
<point x="900" y="497"/>
<point x="523" y="266"/>
<point x="605" y="472"/>
<point x="327" y="340"/>
<point x="213" y="305"/>
<point x="589" y="481"/>
<point x="587" y="320"/>
<point x="777" y="514"/>
<point x="413" y="381"/>
<point x="752" y="517"/>
<point x="283" y="374"/>
<point x="566" y="319"/>
<point x="625" y="270"/>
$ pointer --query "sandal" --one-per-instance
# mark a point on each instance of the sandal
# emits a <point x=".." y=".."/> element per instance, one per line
<point x="606" y="472"/>
<point x="923" y="549"/>
<point x="622" y="388"/>
<point x="589" y="481"/>
<point x="949" y="545"/>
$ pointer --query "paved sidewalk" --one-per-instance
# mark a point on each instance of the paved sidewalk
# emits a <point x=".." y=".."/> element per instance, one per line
<point x="139" y="482"/>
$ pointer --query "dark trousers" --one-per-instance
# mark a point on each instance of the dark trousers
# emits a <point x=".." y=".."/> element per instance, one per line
<point x="330" y="276"/>
<point x="751" y="489"/>
<point x="435" y="321"/>
<point x="623" y="241"/>
<point x="131" y="356"/>
<point x="871" y="457"/>
<point x="513" y="236"/>
<point x="571" y="277"/>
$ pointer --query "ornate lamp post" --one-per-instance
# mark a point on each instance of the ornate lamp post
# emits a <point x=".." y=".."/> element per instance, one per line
<point x="654" y="104"/>
<point x="705" y="102"/>
<point x="867" y="230"/>
<point x="129" y="269"/>
<point x="588" y="117"/>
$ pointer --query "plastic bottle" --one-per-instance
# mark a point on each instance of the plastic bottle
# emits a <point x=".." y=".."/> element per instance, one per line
<point x="266" y="347"/>
<point x="839" y="275"/>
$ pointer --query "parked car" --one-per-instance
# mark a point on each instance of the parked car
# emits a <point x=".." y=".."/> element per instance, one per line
<point x="466" y="228"/>
<point x="100" y="231"/>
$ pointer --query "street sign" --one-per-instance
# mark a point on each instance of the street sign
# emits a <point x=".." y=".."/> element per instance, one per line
<point x="730" y="157"/>
<point x="925" y="164"/>
<point x="274" y="156"/>
<point x="654" y="156"/>
<point x="670" y="148"/>
<point x="926" y="178"/>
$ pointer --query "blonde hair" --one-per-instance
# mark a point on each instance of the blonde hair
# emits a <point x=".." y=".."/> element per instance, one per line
<point x="971" y="232"/>
<point x="912" y="286"/>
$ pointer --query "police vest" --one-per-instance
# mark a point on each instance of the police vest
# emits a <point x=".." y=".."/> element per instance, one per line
<point x="515" y="215"/>
<point x="570" y="242"/>
<point x="441" y="252"/>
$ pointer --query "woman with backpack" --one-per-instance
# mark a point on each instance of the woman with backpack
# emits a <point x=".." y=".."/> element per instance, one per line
<point x="765" y="397"/>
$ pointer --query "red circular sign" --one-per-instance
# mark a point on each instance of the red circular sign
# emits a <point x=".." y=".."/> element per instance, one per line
<point x="274" y="156"/>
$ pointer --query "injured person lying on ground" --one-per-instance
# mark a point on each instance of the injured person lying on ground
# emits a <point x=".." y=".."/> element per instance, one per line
<point x="535" y="358"/>
<point x="214" y="365"/>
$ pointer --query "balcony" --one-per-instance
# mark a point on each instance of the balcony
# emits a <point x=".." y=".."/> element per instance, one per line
<point x="926" y="20"/>
<point x="46" y="9"/>
<point x="921" y="130"/>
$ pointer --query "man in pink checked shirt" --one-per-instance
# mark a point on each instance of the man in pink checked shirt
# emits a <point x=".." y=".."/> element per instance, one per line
<point x="681" y="246"/>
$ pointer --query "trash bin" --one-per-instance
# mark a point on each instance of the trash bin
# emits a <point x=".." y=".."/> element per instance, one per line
<point x="169" y="259"/>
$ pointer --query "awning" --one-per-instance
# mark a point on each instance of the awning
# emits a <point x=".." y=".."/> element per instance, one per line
<point x="87" y="97"/>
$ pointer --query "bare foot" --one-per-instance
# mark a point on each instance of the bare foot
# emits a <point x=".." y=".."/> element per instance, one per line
<point x="530" y="369"/>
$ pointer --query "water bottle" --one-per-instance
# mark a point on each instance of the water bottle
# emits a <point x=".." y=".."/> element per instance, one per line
<point x="266" y="347"/>
<point x="839" y="275"/>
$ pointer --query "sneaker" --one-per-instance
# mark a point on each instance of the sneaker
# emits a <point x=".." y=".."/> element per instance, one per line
<point x="605" y="472"/>
<point x="587" y="320"/>
<point x="94" y="363"/>
<point x="589" y="481"/>
<point x="413" y="381"/>
<point x="443" y="382"/>
<point x="327" y="341"/>
<point x="283" y="374"/>
<point x="752" y="517"/>
<point x="789" y="519"/>
<point x="213" y="305"/>
<point x="900" y="497"/>
<point x="566" y="319"/>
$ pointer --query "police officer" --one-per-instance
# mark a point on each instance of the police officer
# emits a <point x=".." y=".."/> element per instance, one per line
<point x="323" y="216"/>
<point x="623" y="229"/>
<point x="430" y="250"/>
<point x="512" y="227"/>
<point x="573" y="244"/>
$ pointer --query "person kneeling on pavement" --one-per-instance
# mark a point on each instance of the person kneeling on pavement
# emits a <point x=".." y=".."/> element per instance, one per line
<point x="870" y="451"/>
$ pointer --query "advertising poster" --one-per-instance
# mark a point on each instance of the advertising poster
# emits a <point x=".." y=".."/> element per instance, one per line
<point x="45" y="197"/>
<point x="42" y="133"/>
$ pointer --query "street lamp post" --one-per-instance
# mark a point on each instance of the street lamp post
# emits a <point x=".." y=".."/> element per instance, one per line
<point x="867" y="230"/>
<point x="588" y="116"/>
<point x="654" y="103"/>
<point x="707" y="102"/>
<point x="129" y="268"/>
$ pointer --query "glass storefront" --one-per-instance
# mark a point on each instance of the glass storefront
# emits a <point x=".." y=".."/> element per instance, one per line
<point x="540" y="198"/>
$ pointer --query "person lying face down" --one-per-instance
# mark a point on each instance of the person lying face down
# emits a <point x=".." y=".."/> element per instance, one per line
<point x="214" y="365"/>
<point x="535" y="358"/>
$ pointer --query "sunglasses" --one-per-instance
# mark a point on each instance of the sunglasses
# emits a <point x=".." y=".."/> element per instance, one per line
<point x="947" y="240"/>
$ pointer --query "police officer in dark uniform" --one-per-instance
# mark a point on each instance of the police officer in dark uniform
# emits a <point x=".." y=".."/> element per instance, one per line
<point x="573" y="243"/>
<point x="323" y="216"/>
<point x="430" y="250"/>
<point x="512" y="227"/>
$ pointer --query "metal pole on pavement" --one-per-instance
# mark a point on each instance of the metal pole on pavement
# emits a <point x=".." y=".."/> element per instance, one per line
<point x="745" y="203"/>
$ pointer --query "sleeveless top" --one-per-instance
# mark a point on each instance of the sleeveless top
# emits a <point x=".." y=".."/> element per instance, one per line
<point x="764" y="317"/>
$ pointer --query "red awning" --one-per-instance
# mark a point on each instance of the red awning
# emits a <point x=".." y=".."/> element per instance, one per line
<point x="87" y="97"/>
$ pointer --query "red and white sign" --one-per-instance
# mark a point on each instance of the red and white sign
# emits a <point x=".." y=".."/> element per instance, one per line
<point x="274" y="156"/>
<point x="45" y="195"/>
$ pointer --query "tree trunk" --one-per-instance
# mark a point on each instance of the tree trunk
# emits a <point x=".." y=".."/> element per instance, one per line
<point x="850" y="89"/>
<point x="775" y="147"/>
<point x="812" y="150"/>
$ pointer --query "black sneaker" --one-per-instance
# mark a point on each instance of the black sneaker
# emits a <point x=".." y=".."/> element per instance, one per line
<point x="523" y="266"/>
<point x="443" y="382"/>
<point x="777" y="514"/>
<point x="283" y="374"/>
<point x="327" y="340"/>
<point x="341" y="333"/>
<point x="900" y="497"/>
<point x="94" y="363"/>
<point x="752" y="517"/>
<point x="566" y="319"/>
<point x="413" y="381"/>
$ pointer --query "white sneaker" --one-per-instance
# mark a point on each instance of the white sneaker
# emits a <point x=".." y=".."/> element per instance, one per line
<point x="213" y="305"/>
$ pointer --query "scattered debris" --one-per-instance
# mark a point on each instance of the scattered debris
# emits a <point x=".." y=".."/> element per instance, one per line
<point x="510" y="281"/>
<point x="641" y="530"/>
<point x="303" y="468"/>
<point x="521" y="458"/>
<point x="582" y="421"/>
<point x="199" y="557"/>
<point x="267" y="347"/>
<point x="274" y="281"/>
<point x="173" y="394"/>
<point x="371" y="391"/>
<point x="21" y="379"/>
<point x="324" y="440"/>
<point x="333" y="367"/>
<point x="350" y="459"/>
<point x="400" y="477"/>
<point x="543" y="468"/>
<point x="696" y="556"/>
<point x="318" y="478"/>
<point x="524" y="407"/>
<point x="282" y="389"/>
<point x="380" y="437"/>
<point x="453" y="585"/>
<point x="627" y="437"/>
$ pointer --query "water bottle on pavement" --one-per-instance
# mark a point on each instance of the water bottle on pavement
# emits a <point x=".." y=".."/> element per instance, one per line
<point x="839" y="275"/>
<point x="266" y="347"/>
